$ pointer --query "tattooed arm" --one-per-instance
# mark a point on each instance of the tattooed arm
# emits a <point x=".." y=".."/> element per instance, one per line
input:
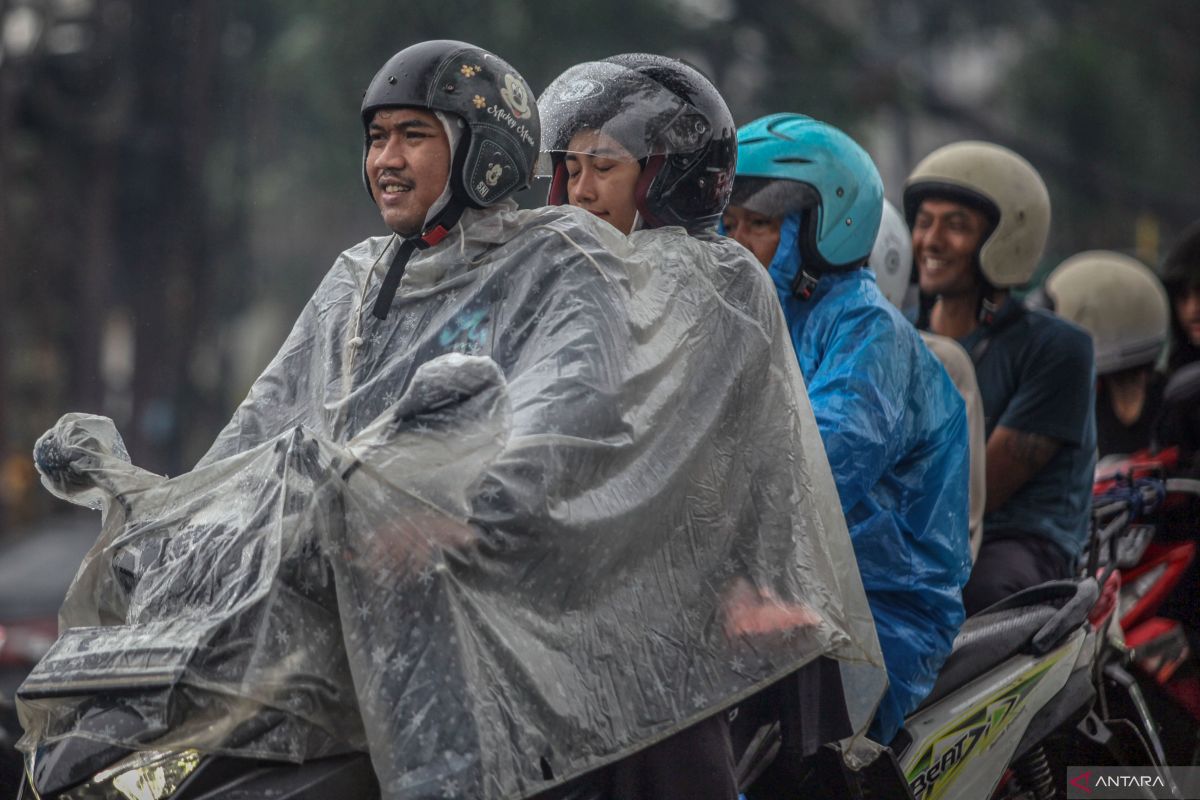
<point x="1013" y="457"/>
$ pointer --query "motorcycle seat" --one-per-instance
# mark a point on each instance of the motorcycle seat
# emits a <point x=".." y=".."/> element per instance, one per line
<point x="1009" y="627"/>
<point x="985" y="641"/>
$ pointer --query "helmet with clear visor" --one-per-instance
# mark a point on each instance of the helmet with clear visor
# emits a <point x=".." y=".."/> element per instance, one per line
<point x="653" y="110"/>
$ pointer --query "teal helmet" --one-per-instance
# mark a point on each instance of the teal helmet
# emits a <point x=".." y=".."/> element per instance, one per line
<point x="789" y="163"/>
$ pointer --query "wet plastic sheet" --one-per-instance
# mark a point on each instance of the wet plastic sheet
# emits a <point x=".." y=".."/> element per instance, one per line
<point x="568" y="498"/>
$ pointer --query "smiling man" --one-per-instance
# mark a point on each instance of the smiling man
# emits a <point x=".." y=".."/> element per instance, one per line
<point x="408" y="164"/>
<point x="602" y="517"/>
<point x="980" y="215"/>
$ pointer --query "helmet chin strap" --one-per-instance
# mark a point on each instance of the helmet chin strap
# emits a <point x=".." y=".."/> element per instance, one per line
<point x="441" y="218"/>
<point x="988" y="305"/>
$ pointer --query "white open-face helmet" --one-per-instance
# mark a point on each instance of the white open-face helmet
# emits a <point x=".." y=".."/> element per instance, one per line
<point x="1118" y="300"/>
<point x="891" y="256"/>
<point x="1001" y="184"/>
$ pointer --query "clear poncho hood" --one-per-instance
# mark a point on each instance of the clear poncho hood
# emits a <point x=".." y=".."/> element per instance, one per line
<point x="568" y="498"/>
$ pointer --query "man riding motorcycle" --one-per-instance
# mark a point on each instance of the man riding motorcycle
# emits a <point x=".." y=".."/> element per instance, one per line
<point x="980" y="214"/>
<point x="556" y="526"/>
<point x="807" y="202"/>
<point x="1121" y="303"/>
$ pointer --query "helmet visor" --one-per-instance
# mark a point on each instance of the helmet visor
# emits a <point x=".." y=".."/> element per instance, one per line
<point x="600" y="108"/>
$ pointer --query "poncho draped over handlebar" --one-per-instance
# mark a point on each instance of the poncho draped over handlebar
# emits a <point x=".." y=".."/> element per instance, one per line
<point x="568" y="498"/>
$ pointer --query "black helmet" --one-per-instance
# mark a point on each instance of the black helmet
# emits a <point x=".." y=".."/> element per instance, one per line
<point x="1181" y="272"/>
<point x="496" y="156"/>
<point x="666" y="114"/>
<point x="1181" y="267"/>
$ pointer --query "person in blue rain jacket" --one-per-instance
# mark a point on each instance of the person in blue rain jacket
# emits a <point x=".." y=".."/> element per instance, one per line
<point x="807" y="201"/>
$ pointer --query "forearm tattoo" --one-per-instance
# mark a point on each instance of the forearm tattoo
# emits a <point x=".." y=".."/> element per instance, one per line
<point x="1031" y="448"/>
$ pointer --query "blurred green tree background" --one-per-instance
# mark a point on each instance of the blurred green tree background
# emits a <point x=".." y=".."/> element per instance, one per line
<point x="177" y="176"/>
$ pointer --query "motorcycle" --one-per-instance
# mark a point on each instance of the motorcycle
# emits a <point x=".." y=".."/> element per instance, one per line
<point x="89" y="664"/>
<point x="1033" y="684"/>
<point x="203" y="655"/>
<point x="1154" y="564"/>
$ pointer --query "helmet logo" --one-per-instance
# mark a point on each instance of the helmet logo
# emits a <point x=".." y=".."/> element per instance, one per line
<point x="892" y="262"/>
<point x="581" y="89"/>
<point x="687" y="133"/>
<point x="516" y="97"/>
<point x="493" y="174"/>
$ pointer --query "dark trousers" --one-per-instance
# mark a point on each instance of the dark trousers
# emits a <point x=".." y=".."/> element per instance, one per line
<point x="1010" y="562"/>
<point x="694" y="764"/>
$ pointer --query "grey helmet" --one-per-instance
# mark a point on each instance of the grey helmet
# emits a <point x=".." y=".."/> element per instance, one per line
<point x="1001" y="184"/>
<point x="1116" y="299"/>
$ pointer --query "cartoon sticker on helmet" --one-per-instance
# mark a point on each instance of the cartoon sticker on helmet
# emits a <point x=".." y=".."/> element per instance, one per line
<point x="516" y="97"/>
<point x="493" y="174"/>
<point x="581" y="89"/>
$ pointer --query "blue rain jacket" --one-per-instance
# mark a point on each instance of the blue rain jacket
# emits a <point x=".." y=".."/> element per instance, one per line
<point x="895" y="431"/>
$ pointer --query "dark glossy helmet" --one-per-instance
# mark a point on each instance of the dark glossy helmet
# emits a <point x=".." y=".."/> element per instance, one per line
<point x="492" y="158"/>
<point x="666" y="115"/>
<point x="496" y="155"/>
<point x="1181" y="267"/>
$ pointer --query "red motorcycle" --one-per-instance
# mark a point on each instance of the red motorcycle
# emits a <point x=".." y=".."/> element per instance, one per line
<point x="1156" y="559"/>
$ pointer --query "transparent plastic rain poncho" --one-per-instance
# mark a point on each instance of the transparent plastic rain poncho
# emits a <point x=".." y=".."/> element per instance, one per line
<point x="568" y="498"/>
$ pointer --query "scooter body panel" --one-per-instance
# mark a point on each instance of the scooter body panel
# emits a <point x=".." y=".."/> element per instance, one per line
<point x="963" y="744"/>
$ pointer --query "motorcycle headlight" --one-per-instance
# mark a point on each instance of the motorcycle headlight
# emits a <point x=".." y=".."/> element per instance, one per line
<point x="149" y="775"/>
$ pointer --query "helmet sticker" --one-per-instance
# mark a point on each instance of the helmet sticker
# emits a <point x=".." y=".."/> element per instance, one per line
<point x="687" y="133"/>
<point x="891" y="263"/>
<point x="469" y="70"/>
<point x="494" y="172"/>
<point x="515" y="97"/>
<point x="581" y="89"/>
<point x="479" y="100"/>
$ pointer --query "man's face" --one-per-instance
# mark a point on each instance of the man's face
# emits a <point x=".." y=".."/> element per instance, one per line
<point x="756" y="232"/>
<point x="1187" y="311"/>
<point x="602" y="177"/>
<point x="408" y="164"/>
<point x="945" y="237"/>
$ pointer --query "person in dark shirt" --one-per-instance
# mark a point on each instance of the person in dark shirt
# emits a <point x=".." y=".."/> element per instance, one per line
<point x="1121" y="303"/>
<point x="979" y="215"/>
